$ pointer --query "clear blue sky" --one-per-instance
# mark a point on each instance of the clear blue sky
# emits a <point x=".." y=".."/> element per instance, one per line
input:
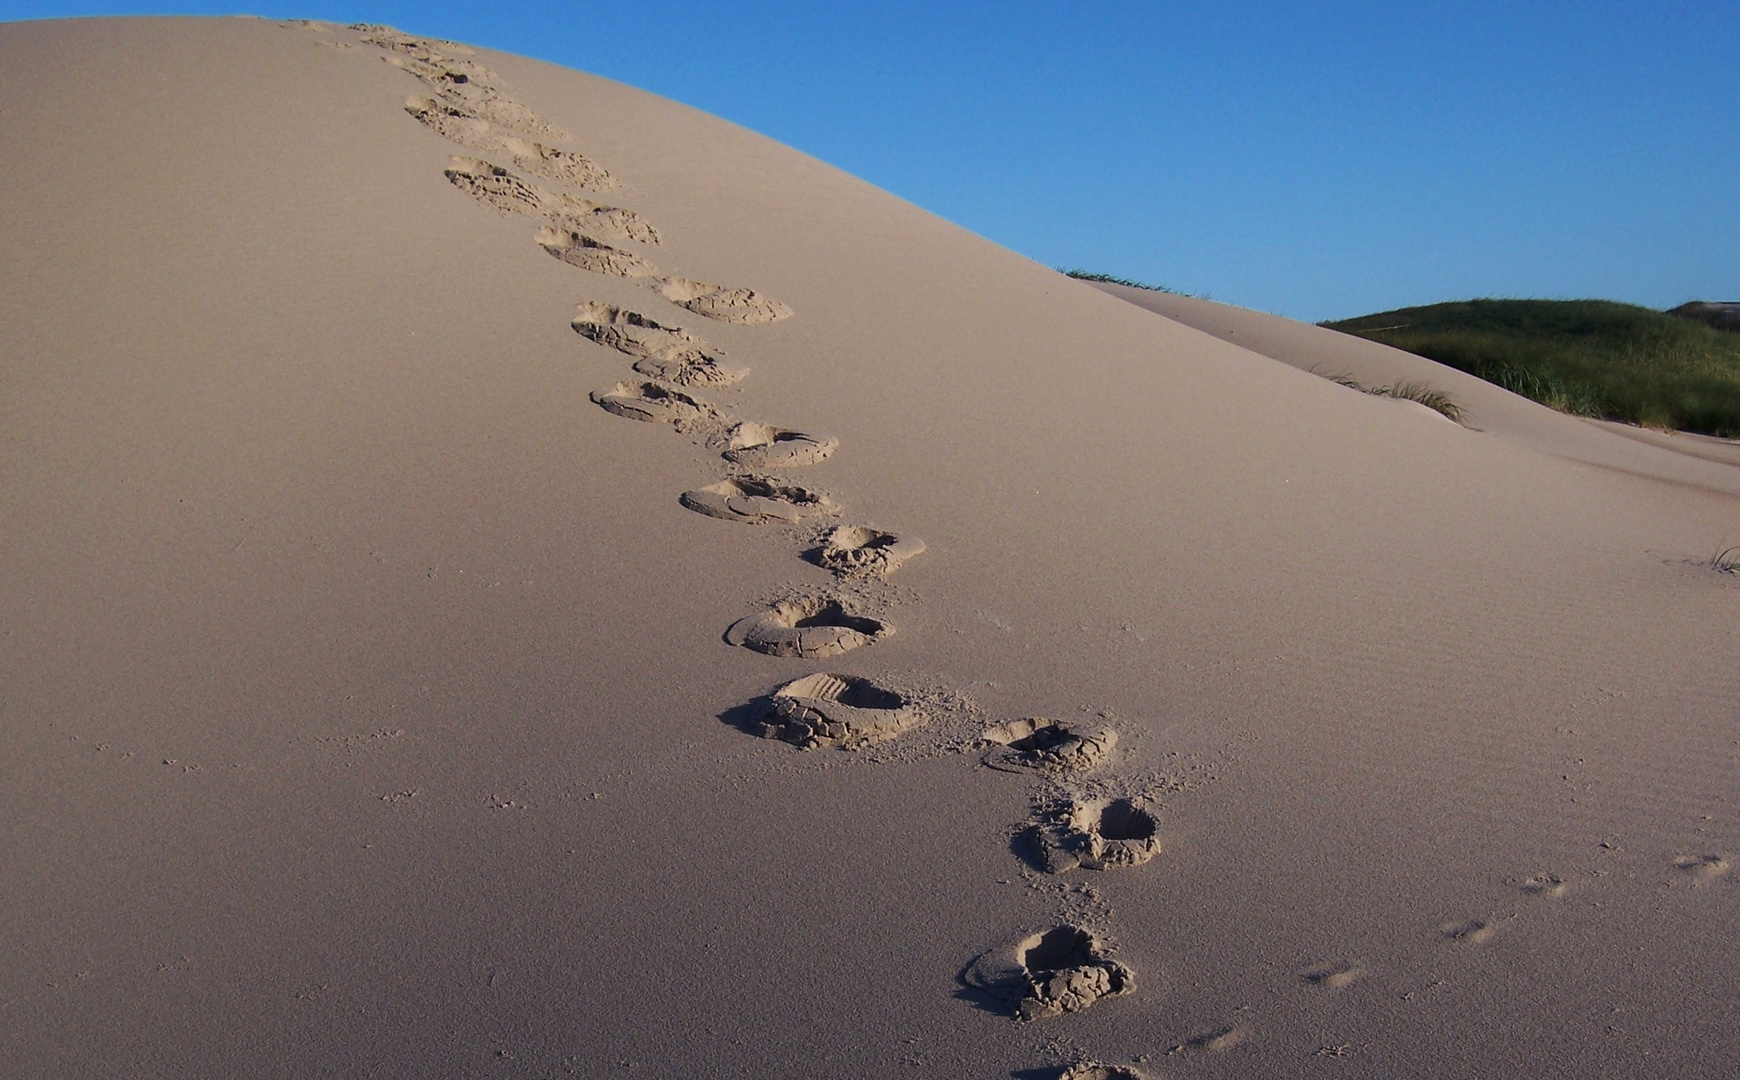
<point x="1316" y="160"/>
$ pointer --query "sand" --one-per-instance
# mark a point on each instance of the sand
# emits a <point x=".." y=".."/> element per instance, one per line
<point x="366" y="696"/>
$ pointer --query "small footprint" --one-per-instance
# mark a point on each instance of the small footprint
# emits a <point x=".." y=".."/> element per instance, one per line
<point x="1038" y="744"/>
<point x="1336" y="976"/>
<point x="758" y="499"/>
<point x="388" y="37"/>
<point x="1065" y="969"/>
<point x="762" y="446"/>
<point x="442" y="66"/>
<point x="1216" y="1041"/>
<point x="1468" y="932"/>
<point x="842" y="711"/>
<point x="1701" y="867"/>
<point x="721" y="303"/>
<point x="578" y="249"/>
<point x="812" y="628"/>
<point x="858" y="551"/>
<point x="1545" y="886"/>
<point x="458" y="124"/>
<point x="652" y="403"/>
<point x="1099" y="1070"/>
<point x="1098" y="834"/>
<point x="667" y="353"/>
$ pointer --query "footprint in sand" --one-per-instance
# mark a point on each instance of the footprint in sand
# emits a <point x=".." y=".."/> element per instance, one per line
<point x="859" y="551"/>
<point x="722" y="303"/>
<point x="1336" y="976"/>
<point x="458" y="124"/>
<point x="757" y="499"/>
<point x="1469" y="931"/>
<point x="1063" y="970"/>
<point x="1545" y="886"/>
<point x="577" y="215"/>
<point x="1701" y="868"/>
<point x="1097" y="834"/>
<point x="812" y="627"/>
<point x="668" y="353"/>
<point x="762" y="446"/>
<point x="494" y="186"/>
<point x="1099" y="1070"/>
<point x="1041" y="745"/>
<point x="443" y="66"/>
<point x="577" y="249"/>
<point x="842" y="711"/>
<point x="388" y="37"/>
<point x="653" y="403"/>
<point x="574" y="220"/>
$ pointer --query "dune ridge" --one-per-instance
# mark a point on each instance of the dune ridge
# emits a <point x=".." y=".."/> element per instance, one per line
<point x="370" y="704"/>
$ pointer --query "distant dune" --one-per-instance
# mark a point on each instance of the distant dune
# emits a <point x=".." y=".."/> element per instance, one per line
<point x="509" y="576"/>
<point x="1724" y="316"/>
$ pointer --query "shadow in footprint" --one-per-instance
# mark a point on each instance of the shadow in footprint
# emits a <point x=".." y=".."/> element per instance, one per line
<point x="1030" y="847"/>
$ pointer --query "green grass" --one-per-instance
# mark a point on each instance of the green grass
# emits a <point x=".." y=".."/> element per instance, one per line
<point x="1588" y="357"/>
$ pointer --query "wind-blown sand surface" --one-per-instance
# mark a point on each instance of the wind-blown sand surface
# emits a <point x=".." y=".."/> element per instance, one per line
<point x="366" y="694"/>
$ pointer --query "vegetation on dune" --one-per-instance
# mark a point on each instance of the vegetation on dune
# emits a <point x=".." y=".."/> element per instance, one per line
<point x="1089" y="275"/>
<point x="1436" y="400"/>
<point x="1589" y="357"/>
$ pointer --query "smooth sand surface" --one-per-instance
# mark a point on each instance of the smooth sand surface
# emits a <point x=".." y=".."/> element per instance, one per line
<point x="1485" y="407"/>
<point x="366" y="699"/>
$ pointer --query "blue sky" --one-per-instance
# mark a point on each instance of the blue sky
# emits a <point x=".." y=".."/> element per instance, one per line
<point x="1316" y="160"/>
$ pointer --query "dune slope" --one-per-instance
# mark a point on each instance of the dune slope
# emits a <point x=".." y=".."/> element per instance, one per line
<point x="423" y="466"/>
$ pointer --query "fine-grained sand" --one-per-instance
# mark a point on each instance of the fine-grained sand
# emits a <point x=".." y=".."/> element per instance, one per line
<point x="367" y="706"/>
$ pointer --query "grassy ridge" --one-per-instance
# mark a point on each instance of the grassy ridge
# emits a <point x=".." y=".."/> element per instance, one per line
<point x="1590" y="357"/>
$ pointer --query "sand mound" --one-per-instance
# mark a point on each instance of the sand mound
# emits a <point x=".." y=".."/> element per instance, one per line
<point x="362" y="677"/>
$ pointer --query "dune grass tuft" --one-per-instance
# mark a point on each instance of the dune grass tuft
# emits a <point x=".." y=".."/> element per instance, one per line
<point x="1587" y="357"/>
<point x="1726" y="561"/>
<point x="1436" y="400"/>
<point x="1088" y="275"/>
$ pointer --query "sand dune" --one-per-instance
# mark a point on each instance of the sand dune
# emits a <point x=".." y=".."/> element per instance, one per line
<point x="384" y="695"/>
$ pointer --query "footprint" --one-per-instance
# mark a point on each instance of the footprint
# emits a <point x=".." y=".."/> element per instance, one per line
<point x="458" y="124"/>
<point x="575" y="219"/>
<point x="653" y="403"/>
<point x="722" y="303"/>
<point x="422" y="48"/>
<point x="1217" y="1041"/>
<point x="1063" y="970"/>
<point x="858" y="551"/>
<point x="1546" y="886"/>
<point x="844" y="711"/>
<point x="813" y="627"/>
<point x="578" y="249"/>
<point x="757" y="499"/>
<point x="1469" y="932"/>
<point x="494" y="186"/>
<point x="1701" y="867"/>
<point x="761" y="446"/>
<point x="1099" y="834"/>
<point x="1336" y="976"/>
<point x="579" y="215"/>
<point x="475" y="88"/>
<point x="1038" y="744"/>
<point x="1099" y="1070"/>
<point x="666" y="353"/>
